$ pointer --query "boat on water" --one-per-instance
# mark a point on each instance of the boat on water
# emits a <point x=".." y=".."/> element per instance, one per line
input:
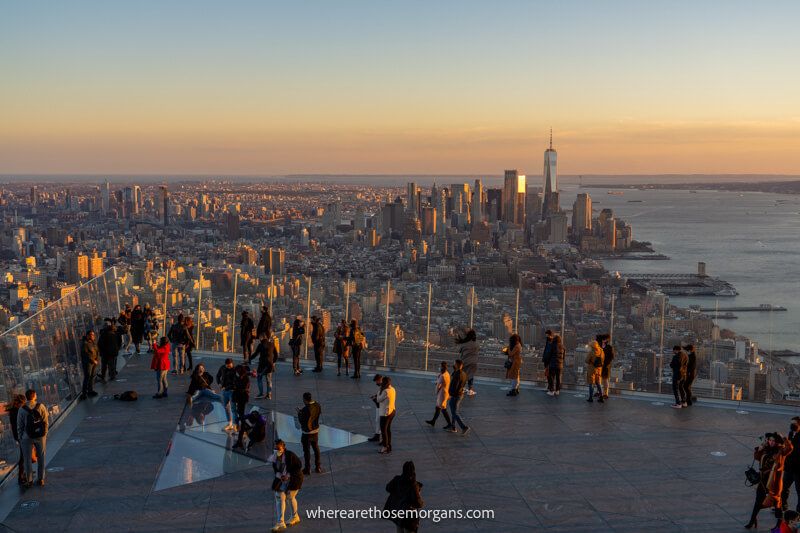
<point x="616" y="193"/>
<point x="635" y="201"/>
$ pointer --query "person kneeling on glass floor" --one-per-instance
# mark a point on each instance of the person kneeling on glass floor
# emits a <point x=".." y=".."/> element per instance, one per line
<point x="287" y="483"/>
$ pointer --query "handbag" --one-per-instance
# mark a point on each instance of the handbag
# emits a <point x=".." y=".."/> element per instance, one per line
<point x="276" y="484"/>
<point x="508" y="364"/>
<point x="752" y="476"/>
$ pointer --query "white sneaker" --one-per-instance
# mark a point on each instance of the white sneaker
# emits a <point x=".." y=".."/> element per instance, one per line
<point x="684" y="404"/>
<point x="294" y="521"/>
<point x="279" y="527"/>
<point x="676" y="406"/>
<point x="471" y="392"/>
<point x="551" y="393"/>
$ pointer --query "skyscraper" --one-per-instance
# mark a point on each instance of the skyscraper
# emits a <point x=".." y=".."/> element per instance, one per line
<point x="477" y="203"/>
<point x="550" y="188"/>
<point x="514" y="189"/>
<point x="581" y="216"/>
<point x="106" y="198"/>
<point x="274" y="261"/>
<point x="413" y="200"/>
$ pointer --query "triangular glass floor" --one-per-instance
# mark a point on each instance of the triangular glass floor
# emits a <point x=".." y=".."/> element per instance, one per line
<point x="200" y="449"/>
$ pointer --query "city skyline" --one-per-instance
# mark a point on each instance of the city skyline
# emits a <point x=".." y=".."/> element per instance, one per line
<point x="284" y="89"/>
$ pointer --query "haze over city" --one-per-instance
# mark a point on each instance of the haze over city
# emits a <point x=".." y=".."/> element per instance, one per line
<point x="275" y="88"/>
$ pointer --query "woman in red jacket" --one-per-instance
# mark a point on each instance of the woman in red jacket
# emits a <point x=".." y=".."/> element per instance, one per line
<point x="160" y="364"/>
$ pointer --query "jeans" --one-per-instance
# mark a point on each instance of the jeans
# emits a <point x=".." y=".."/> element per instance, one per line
<point x="319" y="353"/>
<point x="790" y="477"/>
<point x="677" y="389"/>
<point x="88" y="377"/>
<point x="444" y="414"/>
<point x="178" y="357"/>
<point x="357" y="361"/>
<point x="455" y="407"/>
<point x="295" y="357"/>
<point x="515" y="383"/>
<point x="469" y="383"/>
<point x="280" y="504"/>
<point x="27" y="449"/>
<point x="227" y="395"/>
<point x="599" y="389"/>
<point x="161" y="378"/>
<point x="247" y="348"/>
<point x="310" y="441"/>
<point x="260" y="381"/>
<point x="108" y="365"/>
<point x="386" y="430"/>
<point x="210" y="395"/>
<point x="687" y="388"/>
<point x="554" y="379"/>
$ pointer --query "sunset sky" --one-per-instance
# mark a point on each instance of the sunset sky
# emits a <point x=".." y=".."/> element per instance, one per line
<point x="450" y="87"/>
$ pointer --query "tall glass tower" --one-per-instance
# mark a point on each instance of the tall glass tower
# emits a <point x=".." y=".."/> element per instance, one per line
<point x="550" y="194"/>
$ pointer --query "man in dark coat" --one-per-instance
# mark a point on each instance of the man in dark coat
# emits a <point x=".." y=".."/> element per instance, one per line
<point x="678" y="365"/>
<point x="308" y="417"/>
<point x="791" y="467"/>
<point x="318" y="341"/>
<point x="248" y="330"/>
<point x="608" y="358"/>
<point x="108" y="344"/>
<point x="89" y="358"/>
<point x="264" y="323"/>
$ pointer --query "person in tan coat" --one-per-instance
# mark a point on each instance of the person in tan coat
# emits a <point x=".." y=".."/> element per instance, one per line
<point x="442" y="395"/>
<point x="771" y="456"/>
<point x="514" y="363"/>
<point x="594" y="368"/>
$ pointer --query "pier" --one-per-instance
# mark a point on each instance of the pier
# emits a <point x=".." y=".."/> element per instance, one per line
<point x="763" y="308"/>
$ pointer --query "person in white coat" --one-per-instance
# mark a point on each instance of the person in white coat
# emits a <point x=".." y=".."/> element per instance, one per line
<point x="442" y="395"/>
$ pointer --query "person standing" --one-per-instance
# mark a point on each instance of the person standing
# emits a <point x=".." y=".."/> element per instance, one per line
<point x="376" y="437"/>
<point x="108" y="346"/>
<point x="33" y="423"/>
<point x="124" y="324"/>
<point x="386" y="402"/>
<point x="594" y="368"/>
<point x="791" y="471"/>
<point x="308" y="417"/>
<point x="468" y="352"/>
<point x="240" y="395"/>
<point x="608" y="358"/>
<point x="89" y="358"/>
<point x="554" y="363"/>
<point x="178" y="338"/>
<point x="267" y="354"/>
<point x="547" y="353"/>
<point x="12" y="408"/>
<point x="246" y="335"/>
<point x="404" y="495"/>
<point x="298" y="331"/>
<point x="442" y="395"/>
<point x="357" y="343"/>
<point x="318" y="341"/>
<point x="458" y="379"/>
<point x="160" y="363"/>
<point x="514" y="363"/>
<point x="190" y="344"/>
<point x="226" y="377"/>
<point x="678" y="365"/>
<point x="342" y="348"/>
<point x="287" y="483"/>
<point x="771" y="456"/>
<point x="691" y="374"/>
<point x="264" y="322"/>
<point x="137" y="326"/>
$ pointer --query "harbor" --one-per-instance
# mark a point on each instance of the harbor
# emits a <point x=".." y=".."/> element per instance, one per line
<point x="679" y="284"/>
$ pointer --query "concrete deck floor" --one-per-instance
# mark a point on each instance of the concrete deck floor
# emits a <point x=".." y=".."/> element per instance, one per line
<point x="539" y="463"/>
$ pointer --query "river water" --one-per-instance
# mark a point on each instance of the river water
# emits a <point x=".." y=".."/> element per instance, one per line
<point x="748" y="239"/>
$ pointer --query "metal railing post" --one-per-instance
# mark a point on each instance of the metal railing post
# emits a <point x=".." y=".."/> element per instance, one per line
<point x="428" y="332"/>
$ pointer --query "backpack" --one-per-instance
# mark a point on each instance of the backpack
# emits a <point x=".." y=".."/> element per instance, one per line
<point x="34" y="426"/>
<point x="598" y="362"/>
<point x="359" y="339"/>
<point x="127" y="396"/>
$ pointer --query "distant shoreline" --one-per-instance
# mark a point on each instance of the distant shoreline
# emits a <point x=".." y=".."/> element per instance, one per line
<point x="773" y="187"/>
